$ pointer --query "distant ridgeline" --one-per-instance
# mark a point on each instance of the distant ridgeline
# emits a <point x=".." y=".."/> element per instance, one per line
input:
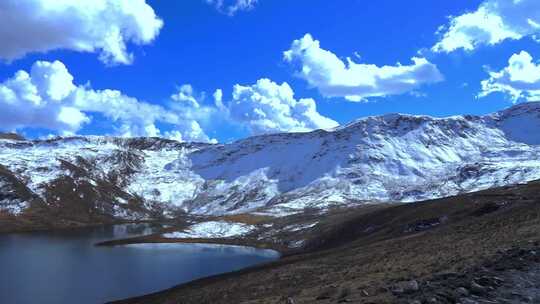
<point x="394" y="157"/>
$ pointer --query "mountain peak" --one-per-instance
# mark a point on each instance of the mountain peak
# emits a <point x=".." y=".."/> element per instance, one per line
<point x="520" y="123"/>
<point x="521" y="109"/>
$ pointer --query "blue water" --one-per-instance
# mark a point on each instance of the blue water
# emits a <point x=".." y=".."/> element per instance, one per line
<point x="66" y="267"/>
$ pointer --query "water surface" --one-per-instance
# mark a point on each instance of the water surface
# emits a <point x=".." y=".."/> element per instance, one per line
<point x="66" y="267"/>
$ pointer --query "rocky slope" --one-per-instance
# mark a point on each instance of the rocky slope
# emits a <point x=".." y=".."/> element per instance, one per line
<point x="78" y="181"/>
<point x="385" y="158"/>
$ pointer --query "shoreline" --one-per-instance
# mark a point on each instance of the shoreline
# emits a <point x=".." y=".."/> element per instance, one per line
<point x="283" y="251"/>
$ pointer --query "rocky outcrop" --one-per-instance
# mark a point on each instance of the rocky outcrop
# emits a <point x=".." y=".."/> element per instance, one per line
<point x="513" y="277"/>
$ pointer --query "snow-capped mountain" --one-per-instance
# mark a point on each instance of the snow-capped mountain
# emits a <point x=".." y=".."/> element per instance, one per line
<point x="384" y="158"/>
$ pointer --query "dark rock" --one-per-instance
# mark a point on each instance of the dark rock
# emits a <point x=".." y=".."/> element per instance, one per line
<point x="446" y="275"/>
<point x="478" y="289"/>
<point x="406" y="287"/>
<point x="327" y="293"/>
<point x="489" y="281"/>
<point x="345" y="292"/>
<point x="462" y="292"/>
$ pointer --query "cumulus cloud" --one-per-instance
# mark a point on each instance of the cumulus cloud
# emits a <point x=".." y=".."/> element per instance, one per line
<point x="519" y="80"/>
<point x="35" y="99"/>
<point x="218" y="99"/>
<point x="493" y="22"/>
<point x="101" y="26"/>
<point x="264" y="107"/>
<point x="191" y="132"/>
<point x="323" y="70"/>
<point x="185" y="96"/>
<point x="267" y="107"/>
<point x="231" y="7"/>
<point x="47" y="98"/>
<point x="188" y="104"/>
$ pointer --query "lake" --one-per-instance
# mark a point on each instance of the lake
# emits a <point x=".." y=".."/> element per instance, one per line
<point x="66" y="267"/>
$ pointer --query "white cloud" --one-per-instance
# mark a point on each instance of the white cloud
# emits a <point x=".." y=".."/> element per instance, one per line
<point x="218" y="99"/>
<point x="191" y="131"/>
<point x="185" y="96"/>
<point x="47" y="98"/>
<point x="188" y="104"/>
<point x="267" y="107"/>
<point x="231" y="7"/>
<point x="36" y="100"/>
<point x="520" y="79"/>
<point x="101" y="26"/>
<point x="323" y="70"/>
<point x="264" y="107"/>
<point x="493" y="22"/>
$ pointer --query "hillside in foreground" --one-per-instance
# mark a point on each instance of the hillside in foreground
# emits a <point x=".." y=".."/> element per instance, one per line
<point x="482" y="247"/>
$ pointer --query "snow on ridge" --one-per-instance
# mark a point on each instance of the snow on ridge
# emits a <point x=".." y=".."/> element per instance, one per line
<point x="164" y="177"/>
<point x="520" y="123"/>
<point x="10" y="204"/>
<point x="300" y="227"/>
<point x="212" y="229"/>
<point x="385" y="158"/>
<point x="392" y="157"/>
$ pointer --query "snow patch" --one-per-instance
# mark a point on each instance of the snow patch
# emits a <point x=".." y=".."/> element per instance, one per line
<point x="213" y="229"/>
<point x="299" y="227"/>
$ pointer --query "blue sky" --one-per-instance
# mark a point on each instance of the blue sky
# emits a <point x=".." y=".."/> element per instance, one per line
<point x="202" y="45"/>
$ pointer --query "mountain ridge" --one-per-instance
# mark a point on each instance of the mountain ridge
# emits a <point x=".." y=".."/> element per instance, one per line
<point x="393" y="157"/>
